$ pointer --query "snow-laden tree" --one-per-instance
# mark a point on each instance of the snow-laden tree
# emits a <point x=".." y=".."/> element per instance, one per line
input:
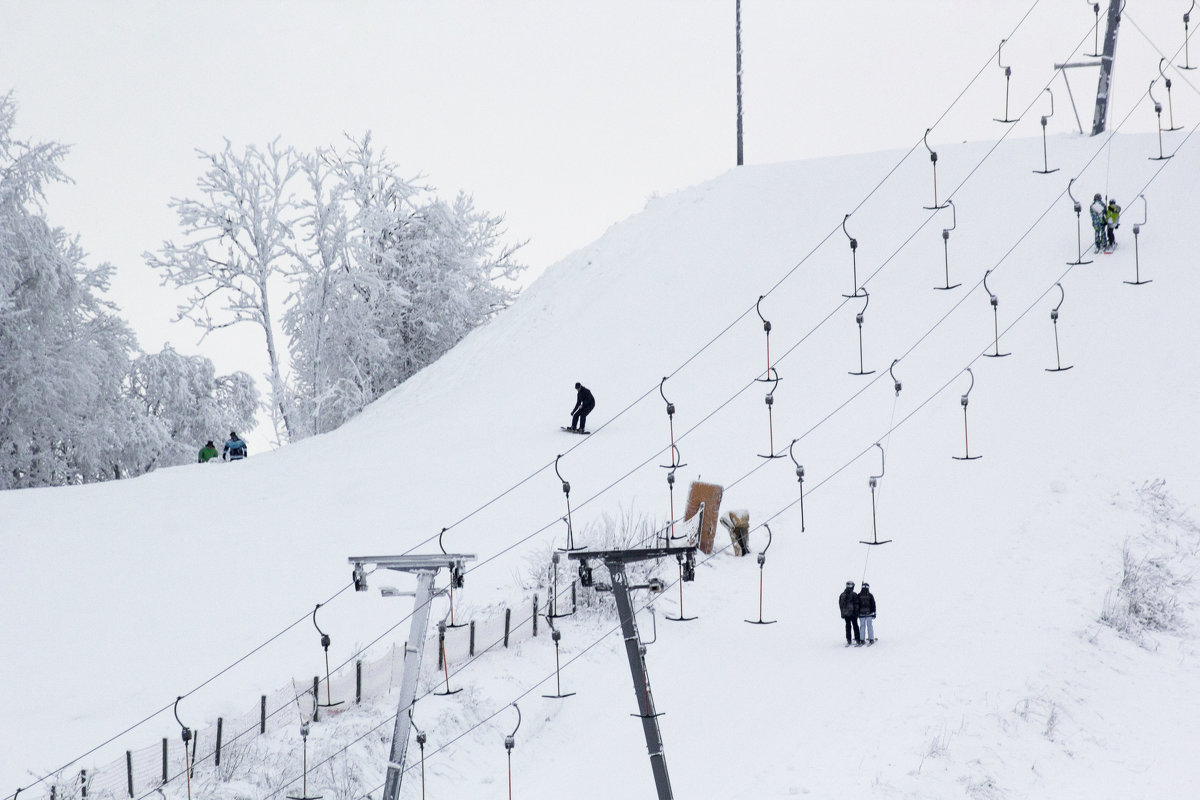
<point x="190" y="403"/>
<point x="238" y="242"/>
<point x="390" y="278"/>
<point x="64" y="417"/>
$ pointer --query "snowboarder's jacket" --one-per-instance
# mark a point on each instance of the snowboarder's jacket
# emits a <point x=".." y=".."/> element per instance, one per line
<point x="1097" y="210"/>
<point x="584" y="401"/>
<point x="866" y="603"/>
<point x="1112" y="213"/>
<point x="848" y="603"/>
<point x="235" y="449"/>
<point x="208" y="452"/>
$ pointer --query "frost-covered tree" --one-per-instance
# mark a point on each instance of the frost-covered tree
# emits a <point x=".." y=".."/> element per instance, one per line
<point x="391" y="278"/>
<point x="190" y="403"/>
<point x="63" y="351"/>
<point x="239" y="241"/>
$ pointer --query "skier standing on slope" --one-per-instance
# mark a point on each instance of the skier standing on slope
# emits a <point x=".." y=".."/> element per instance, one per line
<point x="235" y="448"/>
<point x="848" y="604"/>
<point x="207" y="453"/>
<point x="866" y="613"/>
<point x="1099" y="227"/>
<point x="584" y="403"/>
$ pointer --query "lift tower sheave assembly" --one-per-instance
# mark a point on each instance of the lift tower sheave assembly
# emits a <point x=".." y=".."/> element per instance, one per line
<point x="426" y="568"/>
<point x="615" y="561"/>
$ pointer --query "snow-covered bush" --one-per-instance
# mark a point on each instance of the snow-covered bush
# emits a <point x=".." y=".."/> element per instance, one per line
<point x="1146" y="599"/>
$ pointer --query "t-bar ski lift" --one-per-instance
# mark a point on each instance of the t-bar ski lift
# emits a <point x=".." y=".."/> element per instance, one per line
<point x="426" y="568"/>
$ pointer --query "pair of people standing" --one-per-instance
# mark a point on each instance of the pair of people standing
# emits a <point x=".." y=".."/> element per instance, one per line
<point x="235" y="450"/>
<point x="1105" y="220"/>
<point x="858" y="612"/>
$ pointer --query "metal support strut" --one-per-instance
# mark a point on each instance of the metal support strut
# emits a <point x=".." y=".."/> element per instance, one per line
<point x="615" y="560"/>
<point x="762" y="560"/>
<point x="874" y="479"/>
<point x="1187" y="17"/>
<point x="1045" y="170"/>
<point x="800" y="478"/>
<point x="1158" y="114"/>
<point x="566" y="487"/>
<point x="1007" y="77"/>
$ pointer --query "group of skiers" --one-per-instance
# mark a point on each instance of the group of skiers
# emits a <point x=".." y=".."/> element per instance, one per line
<point x="1106" y="218"/>
<point x="858" y="612"/>
<point x="235" y="450"/>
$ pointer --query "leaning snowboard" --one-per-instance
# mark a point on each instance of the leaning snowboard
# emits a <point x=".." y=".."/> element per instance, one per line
<point x="572" y="430"/>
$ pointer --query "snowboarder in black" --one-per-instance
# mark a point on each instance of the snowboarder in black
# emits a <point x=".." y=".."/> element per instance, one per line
<point x="235" y="448"/>
<point x="848" y="604"/>
<point x="584" y="403"/>
<point x="866" y="613"/>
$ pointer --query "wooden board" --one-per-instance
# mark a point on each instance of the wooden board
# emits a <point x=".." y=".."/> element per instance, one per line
<point x="708" y="494"/>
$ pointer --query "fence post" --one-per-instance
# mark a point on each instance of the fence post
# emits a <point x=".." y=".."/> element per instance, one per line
<point x="535" y="604"/>
<point x="262" y="715"/>
<point x="316" y="698"/>
<point x="166" y="775"/>
<point x="129" y="770"/>
<point x="358" y="681"/>
<point x="507" y="623"/>
<point x="471" y="644"/>
<point x="217" y="759"/>
<point x="574" y="601"/>
<point x="441" y="644"/>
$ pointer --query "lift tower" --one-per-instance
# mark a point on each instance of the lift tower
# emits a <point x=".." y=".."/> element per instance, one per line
<point x="616" y="560"/>
<point x="426" y="568"/>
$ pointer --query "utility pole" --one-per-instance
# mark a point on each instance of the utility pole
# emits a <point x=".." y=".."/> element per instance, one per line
<point x="1107" y="61"/>
<point x="738" y="37"/>
<point x="426" y="569"/>
<point x="616" y="560"/>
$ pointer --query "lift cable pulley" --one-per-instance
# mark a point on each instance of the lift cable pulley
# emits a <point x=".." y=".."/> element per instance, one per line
<point x="1078" y="226"/>
<point x="773" y="379"/>
<point x="800" y="479"/>
<point x="325" y="642"/>
<point x="1062" y="295"/>
<point x="1137" y="229"/>
<point x="457" y="578"/>
<point x="1187" y="17"/>
<point x="853" y="257"/>
<point x="1158" y="114"/>
<point x="762" y="560"/>
<point x="966" y="441"/>
<point x="1045" y="170"/>
<point x="933" y="160"/>
<point x="946" y="245"/>
<point x="566" y="487"/>
<point x="995" y="301"/>
<point x="1007" y="78"/>
<point x="556" y="636"/>
<point x="872" y="482"/>
<point x="858" y="318"/>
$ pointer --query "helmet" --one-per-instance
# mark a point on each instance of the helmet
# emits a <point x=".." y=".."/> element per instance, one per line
<point x="578" y="384"/>
<point x="233" y="434"/>
<point x="1097" y="197"/>
<point x="866" y="585"/>
<point x="849" y="584"/>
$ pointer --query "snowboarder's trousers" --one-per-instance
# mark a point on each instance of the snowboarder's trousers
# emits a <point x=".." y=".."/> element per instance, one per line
<point x="579" y="419"/>
<point x="852" y="622"/>
<point x="867" y="626"/>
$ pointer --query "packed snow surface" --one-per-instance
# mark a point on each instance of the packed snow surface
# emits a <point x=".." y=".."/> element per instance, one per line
<point x="994" y="674"/>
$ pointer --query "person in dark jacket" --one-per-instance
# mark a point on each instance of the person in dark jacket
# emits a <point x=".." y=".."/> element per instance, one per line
<point x="208" y="452"/>
<point x="235" y="448"/>
<point x="866" y="613"/>
<point x="584" y="403"/>
<point x="848" y="604"/>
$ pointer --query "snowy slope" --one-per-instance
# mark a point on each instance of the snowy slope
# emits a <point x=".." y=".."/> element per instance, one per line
<point x="993" y="676"/>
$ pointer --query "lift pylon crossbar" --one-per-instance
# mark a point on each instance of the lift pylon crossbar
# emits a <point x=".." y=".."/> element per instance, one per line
<point x="413" y="563"/>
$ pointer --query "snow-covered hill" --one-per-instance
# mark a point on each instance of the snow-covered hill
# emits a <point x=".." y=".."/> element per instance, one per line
<point x="993" y="677"/>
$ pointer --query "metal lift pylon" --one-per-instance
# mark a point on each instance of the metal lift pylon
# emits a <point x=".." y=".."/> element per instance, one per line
<point x="615" y="561"/>
<point x="426" y="568"/>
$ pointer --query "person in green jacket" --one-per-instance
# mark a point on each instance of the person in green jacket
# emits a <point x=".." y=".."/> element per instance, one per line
<point x="208" y="452"/>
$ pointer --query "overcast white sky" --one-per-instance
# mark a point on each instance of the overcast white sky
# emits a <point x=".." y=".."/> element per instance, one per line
<point x="564" y="116"/>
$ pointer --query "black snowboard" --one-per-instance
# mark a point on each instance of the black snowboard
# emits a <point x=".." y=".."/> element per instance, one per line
<point x="572" y="430"/>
